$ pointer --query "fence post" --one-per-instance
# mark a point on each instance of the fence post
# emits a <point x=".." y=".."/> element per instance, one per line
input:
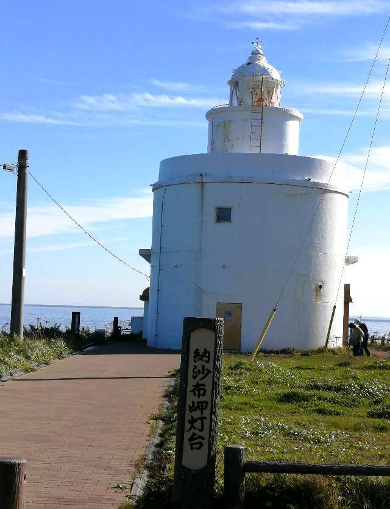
<point x="115" y="327"/>
<point x="75" y="327"/>
<point x="197" y="416"/>
<point x="234" y="476"/>
<point x="12" y="481"/>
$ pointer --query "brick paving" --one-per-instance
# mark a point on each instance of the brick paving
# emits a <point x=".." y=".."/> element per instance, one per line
<point x="82" y="423"/>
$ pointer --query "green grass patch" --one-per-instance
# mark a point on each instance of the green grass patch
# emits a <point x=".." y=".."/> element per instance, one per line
<point x="317" y="408"/>
<point x="27" y="354"/>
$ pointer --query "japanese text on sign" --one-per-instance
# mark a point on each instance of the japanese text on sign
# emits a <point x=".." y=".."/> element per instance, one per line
<point x="198" y="399"/>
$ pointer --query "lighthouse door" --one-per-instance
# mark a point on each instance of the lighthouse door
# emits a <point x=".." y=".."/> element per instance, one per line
<point x="231" y="313"/>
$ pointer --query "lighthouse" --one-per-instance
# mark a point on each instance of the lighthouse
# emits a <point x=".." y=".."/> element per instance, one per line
<point x="228" y="226"/>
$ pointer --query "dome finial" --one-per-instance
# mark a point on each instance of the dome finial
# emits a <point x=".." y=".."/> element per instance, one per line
<point x="257" y="46"/>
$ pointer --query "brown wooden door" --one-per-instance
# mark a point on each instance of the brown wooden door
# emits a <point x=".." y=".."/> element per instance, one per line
<point x="231" y="313"/>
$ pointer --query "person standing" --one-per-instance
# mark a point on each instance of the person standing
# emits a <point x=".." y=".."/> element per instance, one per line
<point x="355" y="338"/>
<point x="364" y="328"/>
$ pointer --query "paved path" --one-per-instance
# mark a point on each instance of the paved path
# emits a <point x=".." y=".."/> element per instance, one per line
<point x="81" y="423"/>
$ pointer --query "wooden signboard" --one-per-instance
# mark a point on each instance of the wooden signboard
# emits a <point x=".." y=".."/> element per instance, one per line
<point x="197" y="424"/>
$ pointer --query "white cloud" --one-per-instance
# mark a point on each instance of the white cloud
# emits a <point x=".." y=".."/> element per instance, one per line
<point x="265" y="25"/>
<point x="175" y="86"/>
<point x="373" y="89"/>
<point x="49" y="219"/>
<point x="99" y="119"/>
<point x="307" y="8"/>
<point x="351" y="168"/>
<point x="367" y="52"/>
<point x="370" y="282"/>
<point x="33" y="119"/>
<point x="62" y="247"/>
<point x="111" y="102"/>
<point x="291" y="15"/>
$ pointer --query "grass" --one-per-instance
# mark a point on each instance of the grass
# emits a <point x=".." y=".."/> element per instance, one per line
<point x="43" y="344"/>
<point x="320" y="408"/>
<point x="26" y="355"/>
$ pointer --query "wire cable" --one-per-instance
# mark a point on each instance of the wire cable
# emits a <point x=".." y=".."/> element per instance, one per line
<point x="84" y="230"/>
<point x="334" y="166"/>
<point x="364" y="172"/>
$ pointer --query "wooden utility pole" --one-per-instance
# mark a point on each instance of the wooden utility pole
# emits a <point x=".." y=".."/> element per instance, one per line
<point x="17" y="305"/>
<point x="347" y="301"/>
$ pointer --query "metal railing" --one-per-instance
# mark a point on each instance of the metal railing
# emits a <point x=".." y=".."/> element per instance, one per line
<point x="235" y="468"/>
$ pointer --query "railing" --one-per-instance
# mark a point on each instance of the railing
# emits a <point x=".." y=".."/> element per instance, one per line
<point x="219" y="106"/>
<point x="236" y="467"/>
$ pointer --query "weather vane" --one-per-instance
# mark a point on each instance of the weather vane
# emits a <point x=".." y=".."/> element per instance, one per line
<point x="258" y="43"/>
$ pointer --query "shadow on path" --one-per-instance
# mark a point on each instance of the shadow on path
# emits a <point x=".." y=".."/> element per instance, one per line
<point x="88" y="378"/>
<point x="127" y="347"/>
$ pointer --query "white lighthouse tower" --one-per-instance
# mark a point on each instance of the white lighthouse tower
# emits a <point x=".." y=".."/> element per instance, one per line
<point x="227" y="226"/>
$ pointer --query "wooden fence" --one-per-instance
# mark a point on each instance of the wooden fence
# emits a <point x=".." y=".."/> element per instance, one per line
<point x="236" y="467"/>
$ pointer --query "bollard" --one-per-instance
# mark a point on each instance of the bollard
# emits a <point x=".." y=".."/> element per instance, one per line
<point x="234" y="477"/>
<point x="116" y="332"/>
<point x="75" y="327"/>
<point x="197" y="416"/>
<point x="12" y="481"/>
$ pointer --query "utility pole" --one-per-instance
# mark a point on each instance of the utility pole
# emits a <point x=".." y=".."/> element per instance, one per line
<point x="17" y="306"/>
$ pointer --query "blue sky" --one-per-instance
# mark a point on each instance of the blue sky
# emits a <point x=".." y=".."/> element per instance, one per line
<point x="100" y="92"/>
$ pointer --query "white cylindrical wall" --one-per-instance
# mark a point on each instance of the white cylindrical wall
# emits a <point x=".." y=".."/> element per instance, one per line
<point x="197" y="262"/>
<point x="145" y="320"/>
<point x="254" y="130"/>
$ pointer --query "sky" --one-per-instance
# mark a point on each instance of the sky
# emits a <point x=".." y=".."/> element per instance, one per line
<point x="100" y="92"/>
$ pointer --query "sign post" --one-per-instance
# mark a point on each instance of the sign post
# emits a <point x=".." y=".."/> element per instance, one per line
<point x="197" y="418"/>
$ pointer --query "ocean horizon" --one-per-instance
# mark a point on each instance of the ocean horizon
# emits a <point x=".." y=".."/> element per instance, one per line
<point x="101" y="317"/>
<point x="93" y="317"/>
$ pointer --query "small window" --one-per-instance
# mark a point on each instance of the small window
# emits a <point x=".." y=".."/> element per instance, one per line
<point x="223" y="215"/>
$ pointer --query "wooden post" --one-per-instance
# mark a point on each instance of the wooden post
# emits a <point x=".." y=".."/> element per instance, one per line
<point x="330" y="327"/>
<point x="347" y="301"/>
<point x="115" y="327"/>
<point x="197" y="417"/>
<point x="234" y="477"/>
<point x="12" y="481"/>
<point x="17" y="305"/>
<point x="75" y="327"/>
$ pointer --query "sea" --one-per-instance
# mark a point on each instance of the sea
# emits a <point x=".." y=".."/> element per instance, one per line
<point x="99" y="317"/>
<point x="93" y="317"/>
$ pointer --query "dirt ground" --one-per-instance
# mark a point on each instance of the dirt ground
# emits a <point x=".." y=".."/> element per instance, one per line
<point x="379" y="351"/>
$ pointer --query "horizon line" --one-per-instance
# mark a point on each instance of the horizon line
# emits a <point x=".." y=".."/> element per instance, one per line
<point x="74" y="306"/>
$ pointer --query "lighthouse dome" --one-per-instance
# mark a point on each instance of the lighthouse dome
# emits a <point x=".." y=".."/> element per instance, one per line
<point x="256" y="65"/>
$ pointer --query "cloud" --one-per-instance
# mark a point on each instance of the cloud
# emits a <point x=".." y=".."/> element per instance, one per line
<point x="367" y="52"/>
<point x="93" y="118"/>
<point x="33" y="119"/>
<point x="370" y="281"/>
<point x="265" y="25"/>
<point x="175" y="86"/>
<point x="289" y="15"/>
<point x="62" y="247"/>
<point x="308" y="8"/>
<point x="111" y="102"/>
<point x="351" y="168"/>
<point x="55" y="82"/>
<point x="49" y="219"/>
<point x="373" y="89"/>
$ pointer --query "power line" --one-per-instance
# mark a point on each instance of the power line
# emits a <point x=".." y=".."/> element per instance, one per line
<point x="84" y="230"/>
<point x="334" y="166"/>
<point x="365" y="171"/>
